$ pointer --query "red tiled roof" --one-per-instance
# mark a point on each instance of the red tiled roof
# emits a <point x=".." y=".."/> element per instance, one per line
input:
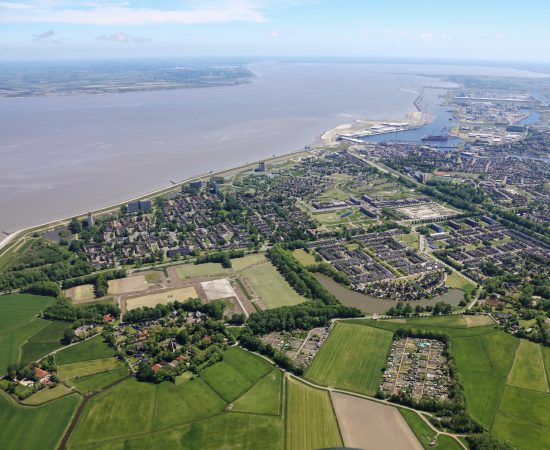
<point x="108" y="318"/>
<point x="156" y="367"/>
<point x="40" y="373"/>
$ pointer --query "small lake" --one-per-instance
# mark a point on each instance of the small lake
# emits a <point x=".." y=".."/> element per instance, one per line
<point x="369" y="304"/>
<point x="532" y="118"/>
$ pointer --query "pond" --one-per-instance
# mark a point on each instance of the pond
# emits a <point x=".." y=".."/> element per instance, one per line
<point x="369" y="304"/>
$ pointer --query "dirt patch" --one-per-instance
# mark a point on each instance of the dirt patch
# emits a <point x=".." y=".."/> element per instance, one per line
<point x="477" y="321"/>
<point x="162" y="298"/>
<point x="81" y="294"/>
<point x="215" y="289"/>
<point x="367" y="424"/>
<point x="128" y="285"/>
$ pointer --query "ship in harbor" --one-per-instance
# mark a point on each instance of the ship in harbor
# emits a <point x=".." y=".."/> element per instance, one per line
<point x="435" y="138"/>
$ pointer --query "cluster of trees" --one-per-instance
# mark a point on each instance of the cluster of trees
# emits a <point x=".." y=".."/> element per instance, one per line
<point x="224" y="258"/>
<point x="406" y="310"/>
<point x="301" y="280"/>
<point x="255" y="344"/>
<point x="213" y="310"/>
<point x="304" y="317"/>
<point x="62" y="309"/>
<point x="91" y="279"/>
<point x="486" y="441"/>
<point x="330" y="271"/>
<point x="462" y="196"/>
<point x="47" y="288"/>
<point x="26" y="371"/>
<point x="101" y="286"/>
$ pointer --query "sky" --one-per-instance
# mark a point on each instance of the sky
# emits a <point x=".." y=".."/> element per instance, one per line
<point x="466" y="29"/>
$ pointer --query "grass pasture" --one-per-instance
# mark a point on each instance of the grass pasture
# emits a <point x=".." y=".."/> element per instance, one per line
<point x="46" y="395"/>
<point x="18" y="322"/>
<point x="303" y="257"/>
<point x="425" y="434"/>
<point x="200" y="270"/>
<point x="237" y="373"/>
<point x="271" y="286"/>
<point x="93" y="348"/>
<point x="31" y="428"/>
<point x="190" y="414"/>
<point x="264" y="397"/>
<point x="161" y="298"/>
<point x="85" y="368"/>
<point x="528" y="370"/>
<point x="98" y="381"/>
<point x="310" y="419"/>
<point x="44" y="341"/>
<point x="456" y="281"/>
<point x="352" y="358"/>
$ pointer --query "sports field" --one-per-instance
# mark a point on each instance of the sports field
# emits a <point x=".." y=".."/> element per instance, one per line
<point x="34" y="428"/>
<point x="93" y="348"/>
<point x="161" y="298"/>
<point x="190" y="414"/>
<point x="271" y="286"/>
<point x="18" y="322"/>
<point x="352" y="358"/>
<point x="310" y="419"/>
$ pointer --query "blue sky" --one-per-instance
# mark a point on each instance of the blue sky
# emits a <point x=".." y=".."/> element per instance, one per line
<point x="482" y="29"/>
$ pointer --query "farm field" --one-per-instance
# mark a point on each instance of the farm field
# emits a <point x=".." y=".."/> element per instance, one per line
<point x="271" y="286"/>
<point x="127" y="285"/>
<point x="93" y="348"/>
<point x="190" y="414"/>
<point x="264" y="397"/>
<point x="17" y="323"/>
<point x="44" y="341"/>
<point x="38" y="427"/>
<point x="352" y="358"/>
<point x="95" y="382"/>
<point x="310" y="419"/>
<point x="161" y="298"/>
<point x="81" y="294"/>
<point x="237" y="373"/>
<point x="200" y="270"/>
<point x="367" y="424"/>
<point x="46" y="395"/>
<point x="528" y="369"/>
<point x="84" y="368"/>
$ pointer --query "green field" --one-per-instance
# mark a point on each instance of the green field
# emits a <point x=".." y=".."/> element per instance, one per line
<point x="84" y="368"/>
<point x="310" y="419"/>
<point x="456" y="281"/>
<point x="18" y="322"/>
<point x="303" y="257"/>
<point x="264" y="397"/>
<point x="237" y="373"/>
<point x="98" y="381"/>
<point x="528" y="370"/>
<point x="411" y="239"/>
<point x="39" y="428"/>
<point x="271" y="286"/>
<point x="93" y="348"/>
<point x="352" y="358"/>
<point x="190" y="414"/>
<point x="46" y="395"/>
<point x="426" y="435"/>
<point x="46" y="340"/>
<point x="211" y="269"/>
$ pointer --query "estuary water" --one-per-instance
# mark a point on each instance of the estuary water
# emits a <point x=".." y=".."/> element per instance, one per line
<point x="65" y="155"/>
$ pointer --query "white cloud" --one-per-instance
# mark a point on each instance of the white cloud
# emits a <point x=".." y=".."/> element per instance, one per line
<point x="274" y="34"/>
<point x="107" y="13"/>
<point x="122" y="37"/>
<point x="427" y="35"/>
